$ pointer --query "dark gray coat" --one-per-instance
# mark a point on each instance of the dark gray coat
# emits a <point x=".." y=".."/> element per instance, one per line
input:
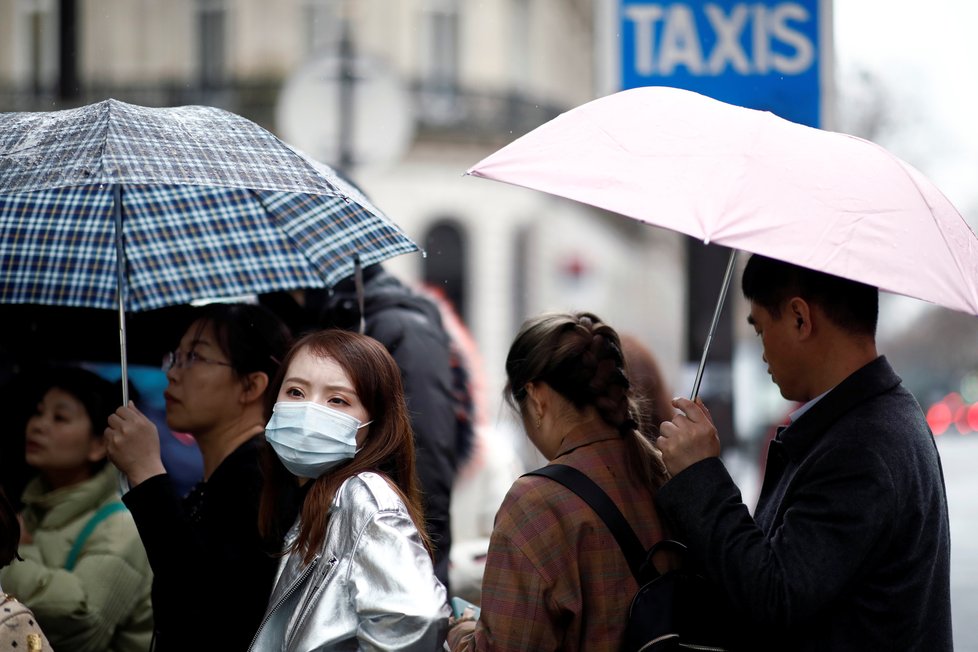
<point x="849" y="548"/>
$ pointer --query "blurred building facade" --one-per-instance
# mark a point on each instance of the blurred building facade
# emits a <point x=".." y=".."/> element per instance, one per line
<point x="474" y="76"/>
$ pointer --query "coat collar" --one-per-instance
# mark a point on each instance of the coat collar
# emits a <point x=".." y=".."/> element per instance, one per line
<point x="863" y="384"/>
<point x="58" y="507"/>
<point x="583" y="435"/>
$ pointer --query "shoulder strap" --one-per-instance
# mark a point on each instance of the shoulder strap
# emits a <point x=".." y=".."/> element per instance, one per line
<point x="603" y="506"/>
<point x="103" y="513"/>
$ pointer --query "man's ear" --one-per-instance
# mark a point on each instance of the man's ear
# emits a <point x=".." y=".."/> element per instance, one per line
<point x="800" y="313"/>
<point x="254" y="385"/>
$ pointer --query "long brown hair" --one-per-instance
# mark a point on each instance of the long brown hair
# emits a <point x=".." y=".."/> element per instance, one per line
<point x="388" y="450"/>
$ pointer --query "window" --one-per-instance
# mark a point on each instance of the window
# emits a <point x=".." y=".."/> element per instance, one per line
<point x="519" y="47"/>
<point x="523" y="247"/>
<point x="321" y="25"/>
<point x="37" y="51"/>
<point x="212" y="42"/>
<point x="439" y="59"/>
<point x="444" y="266"/>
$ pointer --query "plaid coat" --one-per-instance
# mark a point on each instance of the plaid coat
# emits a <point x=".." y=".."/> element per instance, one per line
<point x="555" y="578"/>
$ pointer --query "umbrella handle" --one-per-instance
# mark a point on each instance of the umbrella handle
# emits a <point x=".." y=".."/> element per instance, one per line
<point x="713" y="327"/>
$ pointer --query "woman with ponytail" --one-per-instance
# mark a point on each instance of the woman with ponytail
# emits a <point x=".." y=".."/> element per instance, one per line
<point x="555" y="577"/>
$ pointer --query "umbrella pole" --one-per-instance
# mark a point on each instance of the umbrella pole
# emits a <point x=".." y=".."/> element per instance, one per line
<point x="713" y="327"/>
<point x="120" y="268"/>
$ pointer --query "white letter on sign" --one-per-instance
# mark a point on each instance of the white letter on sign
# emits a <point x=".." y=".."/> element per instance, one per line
<point x="728" y="31"/>
<point x="644" y="17"/>
<point x="680" y="42"/>
<point x="760" y="40"/>
<point x="804" y="50"/>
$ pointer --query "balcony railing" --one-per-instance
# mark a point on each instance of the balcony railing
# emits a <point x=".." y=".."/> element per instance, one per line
<point x="444" y="114"/>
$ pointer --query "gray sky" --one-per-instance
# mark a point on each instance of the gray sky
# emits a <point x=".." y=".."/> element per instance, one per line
<point x="926" y="56"/>
<point x="926" y="53"/>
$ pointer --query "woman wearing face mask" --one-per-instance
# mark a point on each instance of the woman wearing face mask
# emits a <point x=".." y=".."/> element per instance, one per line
<point x="357" y="570"/>
<point x="212" y="573"/>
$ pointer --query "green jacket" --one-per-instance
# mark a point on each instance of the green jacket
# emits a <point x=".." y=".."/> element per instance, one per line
<point x="103" y="604"/>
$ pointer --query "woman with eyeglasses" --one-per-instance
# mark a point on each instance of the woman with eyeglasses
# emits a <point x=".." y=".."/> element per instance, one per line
<point x="212" y="571"/>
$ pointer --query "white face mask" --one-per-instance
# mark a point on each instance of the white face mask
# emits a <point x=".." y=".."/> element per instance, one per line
<point x="309" y="438"/>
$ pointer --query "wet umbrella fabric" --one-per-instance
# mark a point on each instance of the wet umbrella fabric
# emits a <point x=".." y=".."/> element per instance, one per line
<point x="113" y="205"/>
<point x="752" y="181"/>
<point x="212" y="205"/>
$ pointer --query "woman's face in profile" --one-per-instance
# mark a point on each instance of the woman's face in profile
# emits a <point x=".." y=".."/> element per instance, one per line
<point x="323" y="381"/>
<point x="202" y="389"/>
<point x="60" y="436"/>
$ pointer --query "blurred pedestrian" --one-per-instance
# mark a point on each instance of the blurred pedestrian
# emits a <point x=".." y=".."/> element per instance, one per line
<point x="84" y="572"/>
<point x="649" y="387"/>
<point x="18" y="625"/>
<point x="848" y="548"/>
<point x="357" y="570"/>
<point x="555" y="576"/>
<point x="212" y="571"/>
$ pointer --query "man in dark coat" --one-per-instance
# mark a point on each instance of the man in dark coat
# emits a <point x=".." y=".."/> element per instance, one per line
<point x="410" y="327"/>
<point x="849" y="547"/>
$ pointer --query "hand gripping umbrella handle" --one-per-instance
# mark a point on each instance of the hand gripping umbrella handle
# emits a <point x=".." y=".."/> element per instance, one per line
<point x="713" y="327"/>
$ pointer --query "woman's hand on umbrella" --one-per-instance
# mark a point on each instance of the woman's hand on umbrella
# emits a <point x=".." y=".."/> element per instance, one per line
<point x="688" y="438"/>
<point x="134" y="444"/>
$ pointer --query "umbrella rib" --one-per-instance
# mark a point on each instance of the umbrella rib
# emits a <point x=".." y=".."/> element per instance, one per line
<point x="963" y="273"/>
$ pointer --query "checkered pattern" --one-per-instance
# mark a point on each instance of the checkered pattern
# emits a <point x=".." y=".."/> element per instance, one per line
<point x="212" y="205"/>
<point x="555" y="578"/>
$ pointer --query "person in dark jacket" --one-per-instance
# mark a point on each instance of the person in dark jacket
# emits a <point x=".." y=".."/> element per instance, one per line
<point x="849" y="546"/>
<point x="213" y="571"/>
<point x="410" y="327"/>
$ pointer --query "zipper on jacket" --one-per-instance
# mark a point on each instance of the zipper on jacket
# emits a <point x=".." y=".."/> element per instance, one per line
<point x="303" y="609"/>
<point x="295" y="585"/>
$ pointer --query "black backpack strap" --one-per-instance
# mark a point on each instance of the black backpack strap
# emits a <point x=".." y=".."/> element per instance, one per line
<point x="604" y="507"/>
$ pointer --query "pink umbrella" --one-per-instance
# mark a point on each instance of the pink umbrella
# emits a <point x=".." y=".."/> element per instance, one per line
<point x="750" y="180"/>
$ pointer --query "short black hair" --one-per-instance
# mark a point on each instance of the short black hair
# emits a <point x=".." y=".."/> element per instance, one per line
<point x="98" y="396"/>
<point x="251" y="336"/>
<point x="851" y="305"/>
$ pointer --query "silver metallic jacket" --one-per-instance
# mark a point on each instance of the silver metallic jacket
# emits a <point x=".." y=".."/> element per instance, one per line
<point x="370" y="587"/>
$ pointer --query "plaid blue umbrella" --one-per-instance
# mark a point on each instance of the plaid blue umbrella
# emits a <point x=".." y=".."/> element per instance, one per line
<point x="212" y="205"/>
<point x="113" y="205"/>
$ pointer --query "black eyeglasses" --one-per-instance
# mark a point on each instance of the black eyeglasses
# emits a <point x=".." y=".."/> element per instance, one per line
<point x="185" y="360"/>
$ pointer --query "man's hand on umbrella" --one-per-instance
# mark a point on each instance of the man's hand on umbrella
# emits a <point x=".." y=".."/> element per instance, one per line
<point x="134" y="444"/>
<point x="689" y="438"/>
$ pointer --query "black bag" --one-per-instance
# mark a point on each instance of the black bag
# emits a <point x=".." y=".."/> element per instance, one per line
<point x="676" y="610"/>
